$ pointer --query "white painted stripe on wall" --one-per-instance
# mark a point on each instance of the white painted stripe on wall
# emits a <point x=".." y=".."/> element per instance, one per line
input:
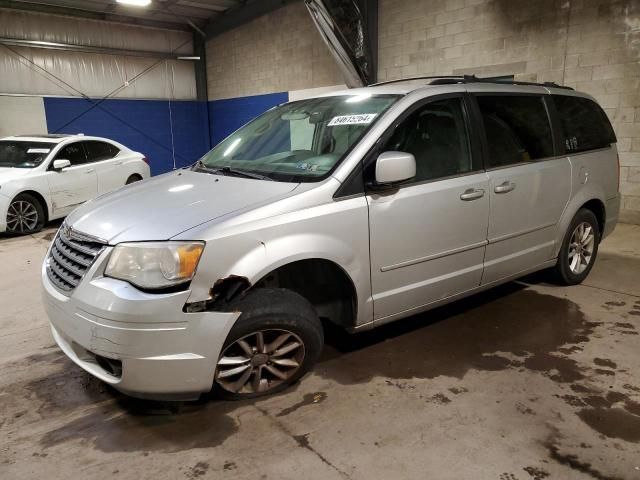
<point x="313" y="92"/>
<point x="22" y="115"/>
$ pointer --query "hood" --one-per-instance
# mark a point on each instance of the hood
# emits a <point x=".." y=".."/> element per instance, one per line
<point x="164" y="206"/>
<point x="8" y="173"/>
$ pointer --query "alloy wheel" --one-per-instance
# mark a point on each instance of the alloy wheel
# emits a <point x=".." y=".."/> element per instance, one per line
<point x="260" y="361"/>
<point x="581" y="248"/>
<point x="22" y="217"/>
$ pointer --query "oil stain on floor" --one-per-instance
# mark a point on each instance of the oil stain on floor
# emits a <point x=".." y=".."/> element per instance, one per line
<point x="112" y="422"/>
<point x="132" y="428"/>
<point x="613" y="423"/>
<point x="509" y="327"/>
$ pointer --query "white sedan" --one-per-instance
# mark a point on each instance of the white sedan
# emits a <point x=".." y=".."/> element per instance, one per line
<point x="44" y="177"/>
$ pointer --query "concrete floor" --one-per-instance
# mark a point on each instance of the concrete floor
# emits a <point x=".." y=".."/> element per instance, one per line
<point x="528" y="381"/>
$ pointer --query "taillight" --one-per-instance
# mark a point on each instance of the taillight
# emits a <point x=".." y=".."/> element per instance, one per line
<point x="146" y="160"/>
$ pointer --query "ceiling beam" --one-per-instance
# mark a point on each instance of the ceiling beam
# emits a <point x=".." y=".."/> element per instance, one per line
<point x="216" y="6"/>
<point x="92" y="14"/>
<point x="16" y="42"/>
<point x="242" y="14"/>
<point x="168" y="6"/>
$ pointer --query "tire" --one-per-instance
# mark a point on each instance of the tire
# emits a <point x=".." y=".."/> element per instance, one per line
<point x="26" y="215"/>
<point x="133" y="179"/>
<point x="567" y="271"/>
<point x="275" y="313"/>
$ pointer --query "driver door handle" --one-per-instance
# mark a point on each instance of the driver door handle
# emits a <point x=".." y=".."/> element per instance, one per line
<point x="91" y="170"/>
<point x="472" y="194"/>
<point x="505" y="187"/>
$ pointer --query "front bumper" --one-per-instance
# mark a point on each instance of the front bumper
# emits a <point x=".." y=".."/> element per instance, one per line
<point x="163" y="352"/>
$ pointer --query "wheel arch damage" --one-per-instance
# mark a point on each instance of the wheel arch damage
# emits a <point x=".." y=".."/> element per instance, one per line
<point x="322" y="282"/>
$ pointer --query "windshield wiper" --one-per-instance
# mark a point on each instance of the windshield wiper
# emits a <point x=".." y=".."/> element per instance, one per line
<point x="243" y="173"/>
<point x="232" y="172"/>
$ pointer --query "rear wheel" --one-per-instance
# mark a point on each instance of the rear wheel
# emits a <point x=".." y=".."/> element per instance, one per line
<point x="579" y="248"/>
<point x="25" y="215"/>
<point x="133" y="178"/>
<point x="277" y="339"/>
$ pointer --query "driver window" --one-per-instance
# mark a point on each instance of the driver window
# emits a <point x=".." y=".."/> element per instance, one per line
<point x="437" y="136"/>
<point x="72" y="152"/>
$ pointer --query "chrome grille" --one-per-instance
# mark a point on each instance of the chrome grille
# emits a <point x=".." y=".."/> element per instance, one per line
<point x="70" y="257"/>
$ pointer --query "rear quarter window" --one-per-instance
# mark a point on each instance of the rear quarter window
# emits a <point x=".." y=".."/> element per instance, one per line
<point x="97" y="151"/>
<point x="585" y="125"/>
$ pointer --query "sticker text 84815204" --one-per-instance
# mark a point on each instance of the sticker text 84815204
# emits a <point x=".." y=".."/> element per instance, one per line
<point x="359" y="119"/>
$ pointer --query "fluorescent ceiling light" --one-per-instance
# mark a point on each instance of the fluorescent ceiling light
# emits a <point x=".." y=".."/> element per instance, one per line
<point x="137" y="3"/>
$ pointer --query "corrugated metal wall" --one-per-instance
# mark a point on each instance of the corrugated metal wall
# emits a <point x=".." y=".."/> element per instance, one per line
<point x="61" y="73"/>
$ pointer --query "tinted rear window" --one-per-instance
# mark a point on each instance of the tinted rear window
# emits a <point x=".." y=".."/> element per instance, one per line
<point x="585" y="125"/>
<point x="97" y="151"/>
<point x="517" y="128"/>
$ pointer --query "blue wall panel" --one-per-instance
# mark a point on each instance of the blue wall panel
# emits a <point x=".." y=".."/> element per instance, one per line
<point x="142" y="125"/>
<point x="190" y="131"/>
<point x="145" y="125"/>
<point x="226" y="116"/>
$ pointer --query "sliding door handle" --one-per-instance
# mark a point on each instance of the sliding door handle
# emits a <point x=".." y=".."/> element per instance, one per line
<point x="505" y="187"/>
<point x="472" y="194"/>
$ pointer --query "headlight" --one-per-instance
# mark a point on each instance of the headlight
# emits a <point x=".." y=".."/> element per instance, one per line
<point x="155" y="265"/>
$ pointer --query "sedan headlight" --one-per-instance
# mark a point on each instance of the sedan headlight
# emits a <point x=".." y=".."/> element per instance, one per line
<point x="155" y="265"/>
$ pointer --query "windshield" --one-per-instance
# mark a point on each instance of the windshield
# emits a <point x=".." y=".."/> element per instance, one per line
<point x="299" y="141"/>
<point x="18" y="154"/>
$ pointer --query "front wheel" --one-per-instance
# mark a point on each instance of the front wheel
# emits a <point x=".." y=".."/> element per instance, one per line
<point x="25" y="215"/>
<point x="579" y="248"/>
<point x="277" y="339"/>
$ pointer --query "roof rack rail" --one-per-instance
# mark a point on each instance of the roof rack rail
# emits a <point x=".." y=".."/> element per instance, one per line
<point x="471" y="79"/>
<point x="409" y="79"/>
<point x="451" y="79"/>
<point x="509" y="80"/>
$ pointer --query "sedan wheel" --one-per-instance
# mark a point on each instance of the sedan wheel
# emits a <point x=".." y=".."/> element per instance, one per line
<point x="260" y="362"/>
<point x="22" y="217"/>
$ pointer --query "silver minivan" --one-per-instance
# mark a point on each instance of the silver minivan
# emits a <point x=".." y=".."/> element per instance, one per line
<point x="357" y="208"/>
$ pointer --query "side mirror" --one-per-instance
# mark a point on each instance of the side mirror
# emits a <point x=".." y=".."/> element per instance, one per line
<point x="394" y="167"/>
<point x="61" y="164"/>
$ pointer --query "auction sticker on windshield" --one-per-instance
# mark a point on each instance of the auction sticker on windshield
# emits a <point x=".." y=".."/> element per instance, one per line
<point x="361" y="119"/>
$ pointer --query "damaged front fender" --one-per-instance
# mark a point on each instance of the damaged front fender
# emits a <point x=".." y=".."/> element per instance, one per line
<point x="222" y="293"/>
